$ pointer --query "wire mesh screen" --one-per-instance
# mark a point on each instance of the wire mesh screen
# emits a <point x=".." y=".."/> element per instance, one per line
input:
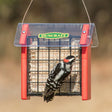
<point x="41" y="60"/>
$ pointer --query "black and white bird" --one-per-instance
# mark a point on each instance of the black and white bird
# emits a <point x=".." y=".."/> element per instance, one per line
<point x="57" y="77"/>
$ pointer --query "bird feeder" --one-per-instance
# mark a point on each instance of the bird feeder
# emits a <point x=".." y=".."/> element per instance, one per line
<point x="43" y="45"/>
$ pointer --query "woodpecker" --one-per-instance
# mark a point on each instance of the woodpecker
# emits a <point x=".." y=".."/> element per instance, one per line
<point x="57" y="77"/>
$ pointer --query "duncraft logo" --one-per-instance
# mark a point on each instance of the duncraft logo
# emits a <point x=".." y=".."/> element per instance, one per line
<point x="53" y="35"/>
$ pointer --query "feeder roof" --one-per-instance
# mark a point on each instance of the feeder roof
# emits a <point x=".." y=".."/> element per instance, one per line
<point x="56" y="35"/>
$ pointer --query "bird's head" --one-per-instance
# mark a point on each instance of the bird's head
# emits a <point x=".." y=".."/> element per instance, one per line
<point x="69" y="59"/>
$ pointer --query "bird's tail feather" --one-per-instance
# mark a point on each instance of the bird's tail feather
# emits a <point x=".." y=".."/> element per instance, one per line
<point x="48" y="94"/>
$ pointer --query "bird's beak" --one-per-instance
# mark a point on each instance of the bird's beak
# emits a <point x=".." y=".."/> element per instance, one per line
<point x="73" y="59"/>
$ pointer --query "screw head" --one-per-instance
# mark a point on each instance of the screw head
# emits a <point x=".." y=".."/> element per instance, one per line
<point x="23" y="32"/>
<point x="84" y="31"/>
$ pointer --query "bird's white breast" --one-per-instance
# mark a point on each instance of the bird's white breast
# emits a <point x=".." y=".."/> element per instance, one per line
<point x="68" y="67"/>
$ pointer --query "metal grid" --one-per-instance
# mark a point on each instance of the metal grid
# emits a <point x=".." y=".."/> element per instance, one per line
<point x="41" y="60"/>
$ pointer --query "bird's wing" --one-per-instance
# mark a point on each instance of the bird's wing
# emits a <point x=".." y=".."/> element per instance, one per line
<point x="55" y="70"/>
<point x="50" y="88"/>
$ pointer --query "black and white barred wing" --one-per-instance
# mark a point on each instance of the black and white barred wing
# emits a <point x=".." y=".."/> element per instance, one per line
<point x="51" y="84"/>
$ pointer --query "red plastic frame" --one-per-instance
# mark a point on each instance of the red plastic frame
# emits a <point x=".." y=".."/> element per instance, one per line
<point x="86" y="64"/>
<point x="23" y="37"/>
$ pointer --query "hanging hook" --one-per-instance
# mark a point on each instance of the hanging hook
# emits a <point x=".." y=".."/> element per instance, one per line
<point x="27" y="11"/>
<point x="85" y="7"/>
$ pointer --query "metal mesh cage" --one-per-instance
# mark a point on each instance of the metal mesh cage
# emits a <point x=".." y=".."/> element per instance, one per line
<point x="41" y="60"/>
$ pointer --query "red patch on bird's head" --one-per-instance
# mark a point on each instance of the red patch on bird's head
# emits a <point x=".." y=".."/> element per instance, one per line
<point x="66" y="61"/>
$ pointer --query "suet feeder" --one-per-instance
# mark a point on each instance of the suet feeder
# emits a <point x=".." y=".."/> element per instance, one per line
<point x="43" y="45"/>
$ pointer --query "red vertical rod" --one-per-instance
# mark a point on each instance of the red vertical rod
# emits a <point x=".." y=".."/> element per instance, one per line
<point x="24" y="73"/>
<point x="86" y="73"/>
<point x="86" y="64"/>
<point x="22" y="41"/>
